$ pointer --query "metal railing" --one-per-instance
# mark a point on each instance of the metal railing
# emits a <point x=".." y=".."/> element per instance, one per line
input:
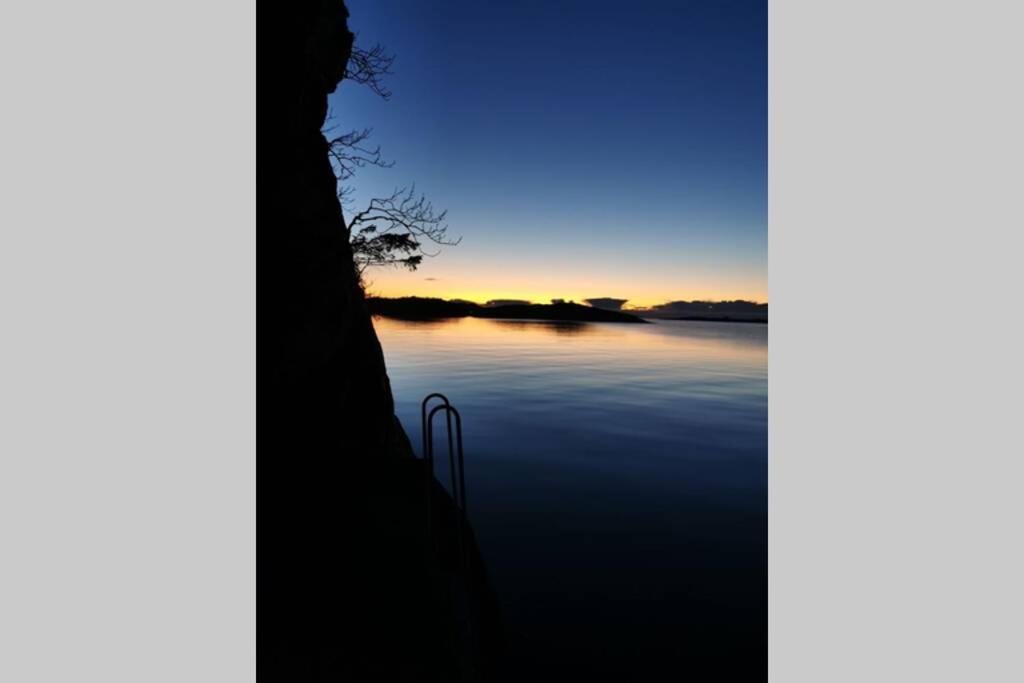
<point x="455" y="457"/>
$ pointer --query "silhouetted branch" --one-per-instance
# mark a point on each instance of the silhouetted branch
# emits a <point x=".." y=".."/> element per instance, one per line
<point x="345" y="194"/>
<point x="347" y="153"/>
<point x="392" y="231"/>
<point x="368" y="67"/>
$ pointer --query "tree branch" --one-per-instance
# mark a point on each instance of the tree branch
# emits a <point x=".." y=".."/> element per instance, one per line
<point x="392" y="230"/>
<point x="368" y="67"/>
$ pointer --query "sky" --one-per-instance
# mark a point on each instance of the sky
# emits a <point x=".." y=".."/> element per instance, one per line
<point x="582" y="149"/>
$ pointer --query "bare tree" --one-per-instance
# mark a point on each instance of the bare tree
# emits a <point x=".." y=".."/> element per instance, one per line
<point x="349" y="152"/>
<point x="369" y="66"/>
<point x="393" y="231"/>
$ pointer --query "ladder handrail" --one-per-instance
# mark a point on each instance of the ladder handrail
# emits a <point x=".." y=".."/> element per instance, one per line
<point x="459" y="489"/>
<point x="428" y="454"/>
<point x="428" y="451"/>
<point x="458" y="484"/>
<point x="455" y="451"/>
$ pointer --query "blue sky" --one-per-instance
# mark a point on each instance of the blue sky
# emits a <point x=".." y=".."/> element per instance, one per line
<point x="582" y="149"/>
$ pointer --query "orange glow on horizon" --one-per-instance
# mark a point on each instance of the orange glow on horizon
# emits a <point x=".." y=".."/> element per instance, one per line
<point x="461" y="274"/>
<point x="383" y="288"/>
<point x="612" y="339"/>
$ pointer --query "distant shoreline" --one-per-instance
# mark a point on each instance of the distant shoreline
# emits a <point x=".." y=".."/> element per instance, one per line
<point x="419" y="308"/>
<point x="416" y="308"/>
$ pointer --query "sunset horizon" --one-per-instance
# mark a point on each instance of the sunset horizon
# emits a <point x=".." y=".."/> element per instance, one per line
<point x="638" y="294"/>
<point x="485" y="296"/>
<point x="565" y="171"/>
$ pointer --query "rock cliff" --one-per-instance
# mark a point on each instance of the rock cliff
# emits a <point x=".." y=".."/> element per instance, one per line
<point x="349" y="585"/>
<point x="321" y="374"/>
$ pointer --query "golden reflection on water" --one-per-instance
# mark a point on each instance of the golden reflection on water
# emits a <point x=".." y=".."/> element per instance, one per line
<point x="661" y="342"/>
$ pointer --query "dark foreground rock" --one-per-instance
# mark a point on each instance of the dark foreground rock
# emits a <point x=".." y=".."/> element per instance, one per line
<point x="380" y="594"/>
<point x="349" y="587"/>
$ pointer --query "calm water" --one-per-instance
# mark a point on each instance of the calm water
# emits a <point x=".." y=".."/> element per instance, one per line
<point x="617" y="484"/>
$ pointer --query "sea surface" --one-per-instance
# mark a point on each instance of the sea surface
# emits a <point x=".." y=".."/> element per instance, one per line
<point x="616" y="482"/>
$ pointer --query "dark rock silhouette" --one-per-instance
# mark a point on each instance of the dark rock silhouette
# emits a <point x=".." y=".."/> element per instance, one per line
<point x="312" y="322"/>
<point x="417" y="308"/>
<point x="347" y="586"/>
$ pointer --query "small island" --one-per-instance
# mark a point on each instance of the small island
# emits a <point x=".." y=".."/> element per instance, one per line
<point x="738" y="311"/>
<point x="419" y="308"/>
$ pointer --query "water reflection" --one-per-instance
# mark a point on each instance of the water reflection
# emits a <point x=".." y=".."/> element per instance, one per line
<point x="616" y="479"/>
<point x="569" y="328"/>
<point x="387" y="323"/>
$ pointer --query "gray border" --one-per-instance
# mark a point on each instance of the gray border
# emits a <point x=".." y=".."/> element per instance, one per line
<point x="127" y="383"/>
<point x="894" y="184"/>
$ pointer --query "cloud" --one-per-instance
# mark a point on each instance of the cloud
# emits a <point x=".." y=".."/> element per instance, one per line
<point x="607" y="303"/>
<point x="430" y="279"/>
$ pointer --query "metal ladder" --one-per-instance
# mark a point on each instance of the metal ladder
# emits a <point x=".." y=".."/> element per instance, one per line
<point x="458" y="483"/>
